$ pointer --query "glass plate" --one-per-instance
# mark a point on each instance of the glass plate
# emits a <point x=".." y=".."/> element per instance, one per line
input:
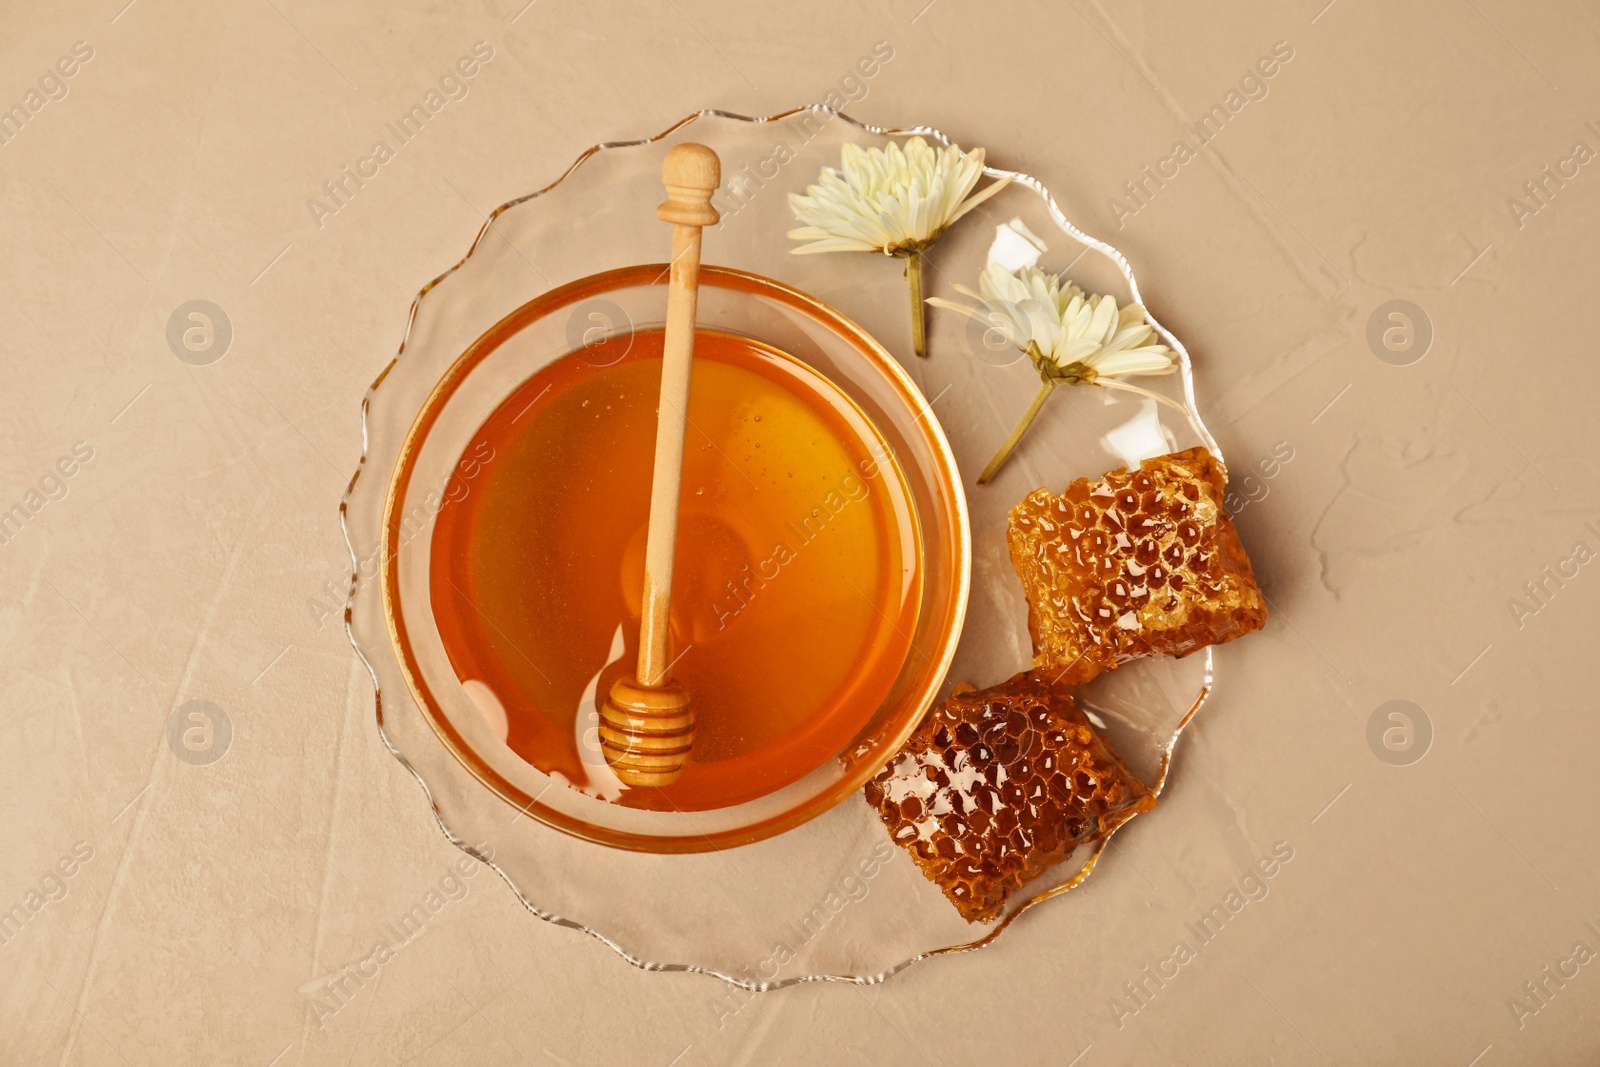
<point x="832" y="899"/>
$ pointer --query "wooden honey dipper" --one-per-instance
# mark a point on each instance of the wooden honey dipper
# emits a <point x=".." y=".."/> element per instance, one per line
<point x="647" y="722"/>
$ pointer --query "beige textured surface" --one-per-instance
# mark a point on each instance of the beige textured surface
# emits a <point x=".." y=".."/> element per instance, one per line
<point x="190" y="557"/>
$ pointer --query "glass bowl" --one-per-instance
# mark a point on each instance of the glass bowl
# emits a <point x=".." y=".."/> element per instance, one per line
<point x="832" y="899"/>
<point x="569" y="322"/>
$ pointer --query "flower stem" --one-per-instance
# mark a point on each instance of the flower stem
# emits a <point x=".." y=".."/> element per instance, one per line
<point x="919" y="331"/>
<point x="1016" y="435"/>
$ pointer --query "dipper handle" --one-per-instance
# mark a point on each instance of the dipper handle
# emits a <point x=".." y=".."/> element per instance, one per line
<point x="691" y="174"/>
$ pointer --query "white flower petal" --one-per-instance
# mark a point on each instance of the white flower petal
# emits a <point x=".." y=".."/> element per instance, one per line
<point x="833" y="244"/>
<point x="1143" y="361"/>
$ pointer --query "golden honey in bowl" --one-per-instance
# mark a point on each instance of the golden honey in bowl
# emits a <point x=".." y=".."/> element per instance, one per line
<point x="795" y="584"/>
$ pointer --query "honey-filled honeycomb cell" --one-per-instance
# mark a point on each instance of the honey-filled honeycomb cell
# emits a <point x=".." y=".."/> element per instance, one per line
<point x="1138" y="563"/>
<point x="997" y="786"/>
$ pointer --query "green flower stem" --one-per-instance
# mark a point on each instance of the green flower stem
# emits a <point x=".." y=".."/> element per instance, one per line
<point x="1016" y="435"/>
<point x="919" y="329"/>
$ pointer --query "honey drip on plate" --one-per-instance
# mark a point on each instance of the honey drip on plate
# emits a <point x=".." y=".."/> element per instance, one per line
<point x="795" y="587"/>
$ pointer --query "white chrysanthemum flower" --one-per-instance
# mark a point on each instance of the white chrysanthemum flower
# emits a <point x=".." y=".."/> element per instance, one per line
<point x="895" y="200"/>
<point x="1073" y="337"/>
<point x="1078" y="336"/>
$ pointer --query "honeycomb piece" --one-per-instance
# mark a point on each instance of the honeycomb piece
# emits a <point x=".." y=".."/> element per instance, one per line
<point x="1139" y="563"/>
<point x="997" y="786"/>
